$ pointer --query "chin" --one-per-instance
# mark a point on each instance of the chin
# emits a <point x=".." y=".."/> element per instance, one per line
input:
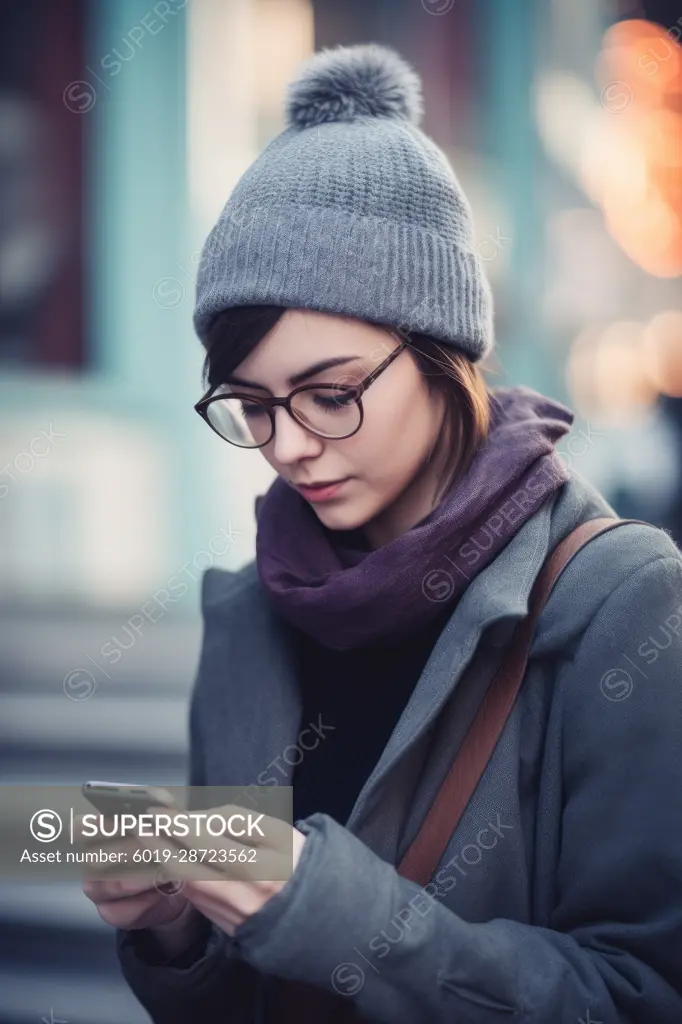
<point x="343" y="516"/>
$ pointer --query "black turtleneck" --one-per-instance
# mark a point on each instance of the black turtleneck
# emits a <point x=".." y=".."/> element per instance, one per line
<point x="361" y="693"/>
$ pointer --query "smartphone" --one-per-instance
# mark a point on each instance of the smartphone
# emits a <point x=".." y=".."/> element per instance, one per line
<point x="120" y="797"/>
<point x="111" y="798"/>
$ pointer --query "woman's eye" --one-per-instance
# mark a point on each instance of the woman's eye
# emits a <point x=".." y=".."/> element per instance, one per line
<point x="334" y="401"/>
<point x="253" y="410"/>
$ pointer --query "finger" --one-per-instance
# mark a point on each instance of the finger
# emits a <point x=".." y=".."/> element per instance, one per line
<point x="141" y="911"/>
<point x="112" y="890"/>
<point x="218" y="858"/>
<point x="210" y="856"/>
<point x="107" y="859"/>
<point x="227" y="903"/>
<point x="186" y="860"/>
<point x="253" y="827"/>
<point x="249" y="827"/>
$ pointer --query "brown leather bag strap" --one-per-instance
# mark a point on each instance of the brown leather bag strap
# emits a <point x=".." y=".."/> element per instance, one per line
<point x="424" y="853"/>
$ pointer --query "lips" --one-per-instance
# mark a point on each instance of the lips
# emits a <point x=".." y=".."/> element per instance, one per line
<point x="321" y="491"/>
<point x="316" y="487"/>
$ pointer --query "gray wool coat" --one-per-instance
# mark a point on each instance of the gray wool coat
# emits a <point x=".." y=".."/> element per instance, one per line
<point x="559" y="897"/>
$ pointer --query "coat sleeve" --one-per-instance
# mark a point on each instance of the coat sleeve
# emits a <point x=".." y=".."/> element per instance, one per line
<point x="613" y="951"/>
<point x="210" y="982"/>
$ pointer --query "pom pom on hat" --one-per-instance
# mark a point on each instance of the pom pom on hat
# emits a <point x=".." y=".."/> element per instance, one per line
<point x="348" y="82"/>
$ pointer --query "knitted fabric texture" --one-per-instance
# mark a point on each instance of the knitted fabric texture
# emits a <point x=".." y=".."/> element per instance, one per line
<point x="352" y="210"/>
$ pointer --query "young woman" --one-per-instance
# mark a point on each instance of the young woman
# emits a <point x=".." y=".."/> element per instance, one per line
<point x="344" y="311"/>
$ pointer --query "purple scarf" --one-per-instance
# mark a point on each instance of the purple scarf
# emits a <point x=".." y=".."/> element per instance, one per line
<point x="329" y="585"/>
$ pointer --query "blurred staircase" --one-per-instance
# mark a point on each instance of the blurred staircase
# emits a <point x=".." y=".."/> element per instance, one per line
<point x="125" y="722"/>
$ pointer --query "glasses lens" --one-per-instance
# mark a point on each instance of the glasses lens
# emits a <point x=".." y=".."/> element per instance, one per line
<point x="240" y="421"/>
<point x="329" y="411"/>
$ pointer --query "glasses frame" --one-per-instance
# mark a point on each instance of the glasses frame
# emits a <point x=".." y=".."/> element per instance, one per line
<point x="270" y="404"/>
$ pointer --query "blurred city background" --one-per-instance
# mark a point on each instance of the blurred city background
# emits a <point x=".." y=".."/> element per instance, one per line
<point x="124" y="124"/>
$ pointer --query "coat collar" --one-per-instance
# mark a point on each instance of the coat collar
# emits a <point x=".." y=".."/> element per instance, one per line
<point x="495" y="600"/>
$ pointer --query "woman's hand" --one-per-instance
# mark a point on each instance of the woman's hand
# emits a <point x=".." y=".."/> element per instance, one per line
<point x="230" y="901"/>
<point x="127" y="901"/>
<point x="133" y="903"/>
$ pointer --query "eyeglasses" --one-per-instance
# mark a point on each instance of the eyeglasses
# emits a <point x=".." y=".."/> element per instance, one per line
<point x="332" y="411"/>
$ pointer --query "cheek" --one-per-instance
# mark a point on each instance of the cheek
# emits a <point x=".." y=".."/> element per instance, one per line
<point x="394" y="441"/>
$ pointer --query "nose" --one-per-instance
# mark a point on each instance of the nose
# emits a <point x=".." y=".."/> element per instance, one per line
<point x="292" y="441"/>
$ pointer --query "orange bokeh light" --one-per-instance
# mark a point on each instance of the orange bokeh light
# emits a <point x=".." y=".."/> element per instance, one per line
<point x="662" y="348"/>
<point x="619" y="370"/>
<point x="631" y="164"/>
<point x="643" y="55"/>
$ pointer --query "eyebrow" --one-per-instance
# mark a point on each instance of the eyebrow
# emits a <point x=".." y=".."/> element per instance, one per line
<point x="297" y="378"/>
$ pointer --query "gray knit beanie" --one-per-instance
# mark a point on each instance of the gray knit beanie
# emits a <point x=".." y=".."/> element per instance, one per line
<point x="352" y="209"/>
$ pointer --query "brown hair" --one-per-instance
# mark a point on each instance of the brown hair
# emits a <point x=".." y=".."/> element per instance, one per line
<point x="235" y="332"/>
<point x="467" y="403"/>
